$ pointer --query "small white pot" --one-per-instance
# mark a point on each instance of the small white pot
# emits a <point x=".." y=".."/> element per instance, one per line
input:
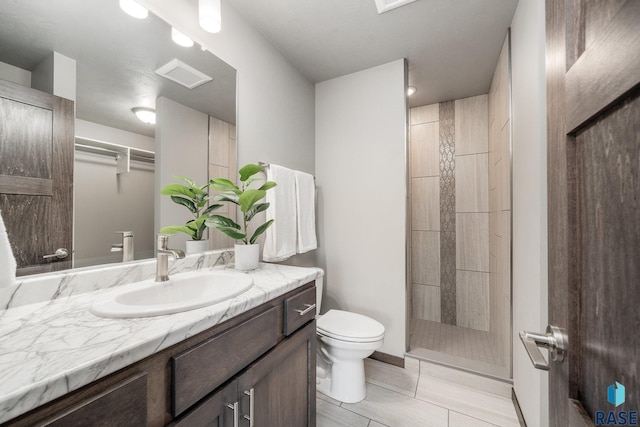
<point x="197" y="246"/>
<point x="247" y="257"/>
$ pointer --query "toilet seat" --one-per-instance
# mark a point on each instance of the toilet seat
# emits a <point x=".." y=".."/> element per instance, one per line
<point x="350" y="327"/>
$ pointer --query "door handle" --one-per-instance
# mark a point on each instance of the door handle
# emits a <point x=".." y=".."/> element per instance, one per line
<point x="555" y="340"/>
<point x="60" y="253"/>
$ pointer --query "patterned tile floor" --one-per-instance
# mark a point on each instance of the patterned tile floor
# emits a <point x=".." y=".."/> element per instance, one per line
<point x="422" y="395"/>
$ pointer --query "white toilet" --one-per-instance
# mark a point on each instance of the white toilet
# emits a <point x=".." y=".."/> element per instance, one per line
<point x="344" y="340"/>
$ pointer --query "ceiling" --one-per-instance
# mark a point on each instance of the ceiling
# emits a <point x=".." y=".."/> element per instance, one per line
<point x="116" y="55"/>
<point x="452" y="46"/>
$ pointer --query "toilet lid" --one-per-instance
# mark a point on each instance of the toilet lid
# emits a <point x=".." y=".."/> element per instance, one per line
<point x="347" y="326"/>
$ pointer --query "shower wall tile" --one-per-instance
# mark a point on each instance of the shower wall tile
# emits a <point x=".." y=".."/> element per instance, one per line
<point x="425" y="257"/>
<point x="424" y="150"/>
<point x="426" y="302"/>
<point x="472" y="241"/>
<point x="472" y="125"/>
<point x="472" y="300"/>
<point x="472" y="179"/>
<point x="425" y="204"/>
<point x="505" y="159"/>
<point x="425" y="114"/>
<point x="218" y="142"/>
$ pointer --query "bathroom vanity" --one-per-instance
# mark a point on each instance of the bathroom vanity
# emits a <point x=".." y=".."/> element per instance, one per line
<point x="251" y="362"/>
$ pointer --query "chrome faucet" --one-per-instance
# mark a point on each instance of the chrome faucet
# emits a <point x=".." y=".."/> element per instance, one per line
<point x="163" y="252"/>
<point x="126" y="247"/>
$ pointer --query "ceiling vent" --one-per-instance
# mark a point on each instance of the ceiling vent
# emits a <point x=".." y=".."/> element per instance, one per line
<point x="181" y="73"/>
<point x="387" y="5"/>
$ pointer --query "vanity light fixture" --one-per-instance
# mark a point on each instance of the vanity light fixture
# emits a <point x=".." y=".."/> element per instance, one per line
<point x="133" y="8"/>
<point x="146" y="115"/>
<point x="411" y="90"/>
<point x="180" y="39"/>
<point x="209" y="15"/>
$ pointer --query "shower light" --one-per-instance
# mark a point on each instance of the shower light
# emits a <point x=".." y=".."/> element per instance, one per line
<point x="209" y="15"/>
<point x="411" y="90"/>
<point x="146" y="115"/>
<point x="133" y="8"/>
<point x="180" y="38"/>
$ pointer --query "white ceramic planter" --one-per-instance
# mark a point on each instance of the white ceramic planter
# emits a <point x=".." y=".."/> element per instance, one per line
<point x="247" y="257"/>
<point x="197" y="246"/>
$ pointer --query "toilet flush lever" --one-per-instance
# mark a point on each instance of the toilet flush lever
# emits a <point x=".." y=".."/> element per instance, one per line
<point x="555" y="340"/>
<point x="309" y="308"/>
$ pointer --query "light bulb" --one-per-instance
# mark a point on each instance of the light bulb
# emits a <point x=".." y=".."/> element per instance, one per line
<point x="133" y="8"/>
<point x="180" y="38"/>
<point x="209" y="15"/>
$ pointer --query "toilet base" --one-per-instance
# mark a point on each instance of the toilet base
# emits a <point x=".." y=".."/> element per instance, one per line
<point x="344" y="382"/>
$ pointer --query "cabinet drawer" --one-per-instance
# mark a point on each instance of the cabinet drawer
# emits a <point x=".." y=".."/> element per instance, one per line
<point x="201" y="369"/>
<point x="299" y="309"/>
<point x="213" y="410"/>
<point x="124" y="404"/>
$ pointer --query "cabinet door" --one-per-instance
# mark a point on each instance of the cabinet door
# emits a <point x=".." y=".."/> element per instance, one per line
<point x="218" y="410"/>
<point x="280" y="388"/>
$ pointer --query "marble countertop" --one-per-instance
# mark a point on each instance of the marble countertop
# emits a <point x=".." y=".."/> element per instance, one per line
<point x="50" y="348"/>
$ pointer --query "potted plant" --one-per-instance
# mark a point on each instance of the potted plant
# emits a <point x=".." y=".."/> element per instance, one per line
<point x="195" y="199"/>
<point x="247" y="198"/>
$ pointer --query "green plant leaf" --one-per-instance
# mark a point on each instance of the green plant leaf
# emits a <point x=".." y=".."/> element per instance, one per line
<point x="226" y="197"/>
<point x="173" y="229"/>
<point x="177" y="189"/>
<point x="267" y="185"/>
<point x="185" y="179"/>
<point x="212" y="208"/>
<point x="249" y="170"/>
<point x="260" y="207"/>
<point x="260" y="230"/>
<point x="218" y="221"/>
<point x="224" y="185"/>
<point x="189" y="204"/>
<point x="232" y="232"/>
<point x="249" y="198"/>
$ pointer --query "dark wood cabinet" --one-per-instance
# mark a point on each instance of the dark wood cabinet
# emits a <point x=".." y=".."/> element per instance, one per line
<point x="258" y="368"/>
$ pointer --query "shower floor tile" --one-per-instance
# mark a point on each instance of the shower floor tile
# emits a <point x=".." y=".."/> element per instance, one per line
<point x="453" y="340"/>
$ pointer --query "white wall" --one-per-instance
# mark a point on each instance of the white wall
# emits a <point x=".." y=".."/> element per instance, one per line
<point x="15" y="74"/>
<point x="529" y="203"/>
<point x="361" y="176"/>
<point x="275" y="120"/>
<point x="182" y="141"/>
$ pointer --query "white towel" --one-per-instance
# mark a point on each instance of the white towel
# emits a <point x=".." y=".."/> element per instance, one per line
<point x="306" y="212"/>
<point x="7" y="260"/>
<point x="280" y="242"/>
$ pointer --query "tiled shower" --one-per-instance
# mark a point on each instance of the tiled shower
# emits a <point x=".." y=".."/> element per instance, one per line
<point x="460" y="229"/>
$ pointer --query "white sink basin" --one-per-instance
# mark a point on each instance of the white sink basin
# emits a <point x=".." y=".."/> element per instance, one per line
<point x="183" y="291"/>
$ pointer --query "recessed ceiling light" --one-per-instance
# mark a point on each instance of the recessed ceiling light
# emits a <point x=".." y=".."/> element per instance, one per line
<point x="133" y="8"/>
<point x="145" y="115"/>
<point x="387" y="5"/>
<point x="411" y="90"/>
<point x="180" y="38"/>
<point x="209" y="15"/>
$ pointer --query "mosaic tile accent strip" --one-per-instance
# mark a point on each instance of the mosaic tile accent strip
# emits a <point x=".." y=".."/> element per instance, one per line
<point x="447" y="213"/>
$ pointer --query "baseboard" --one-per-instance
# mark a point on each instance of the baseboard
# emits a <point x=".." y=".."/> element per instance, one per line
<point x="516" y="405"/>
<point x="387" y="358"/>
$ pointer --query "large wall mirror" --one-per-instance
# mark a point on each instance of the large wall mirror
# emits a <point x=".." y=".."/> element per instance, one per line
<point x="116" y="174"/>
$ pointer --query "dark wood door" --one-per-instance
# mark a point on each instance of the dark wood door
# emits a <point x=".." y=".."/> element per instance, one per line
<point x="280" y="388"/>
<point x="593" y="71"/>
<point x="36" y="175"/>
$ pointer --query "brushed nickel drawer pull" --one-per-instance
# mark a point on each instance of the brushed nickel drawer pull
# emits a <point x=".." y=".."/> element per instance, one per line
<point x="250" y="393"/>
<point x="234" y="408"/>
<point x="309" y="308"/>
